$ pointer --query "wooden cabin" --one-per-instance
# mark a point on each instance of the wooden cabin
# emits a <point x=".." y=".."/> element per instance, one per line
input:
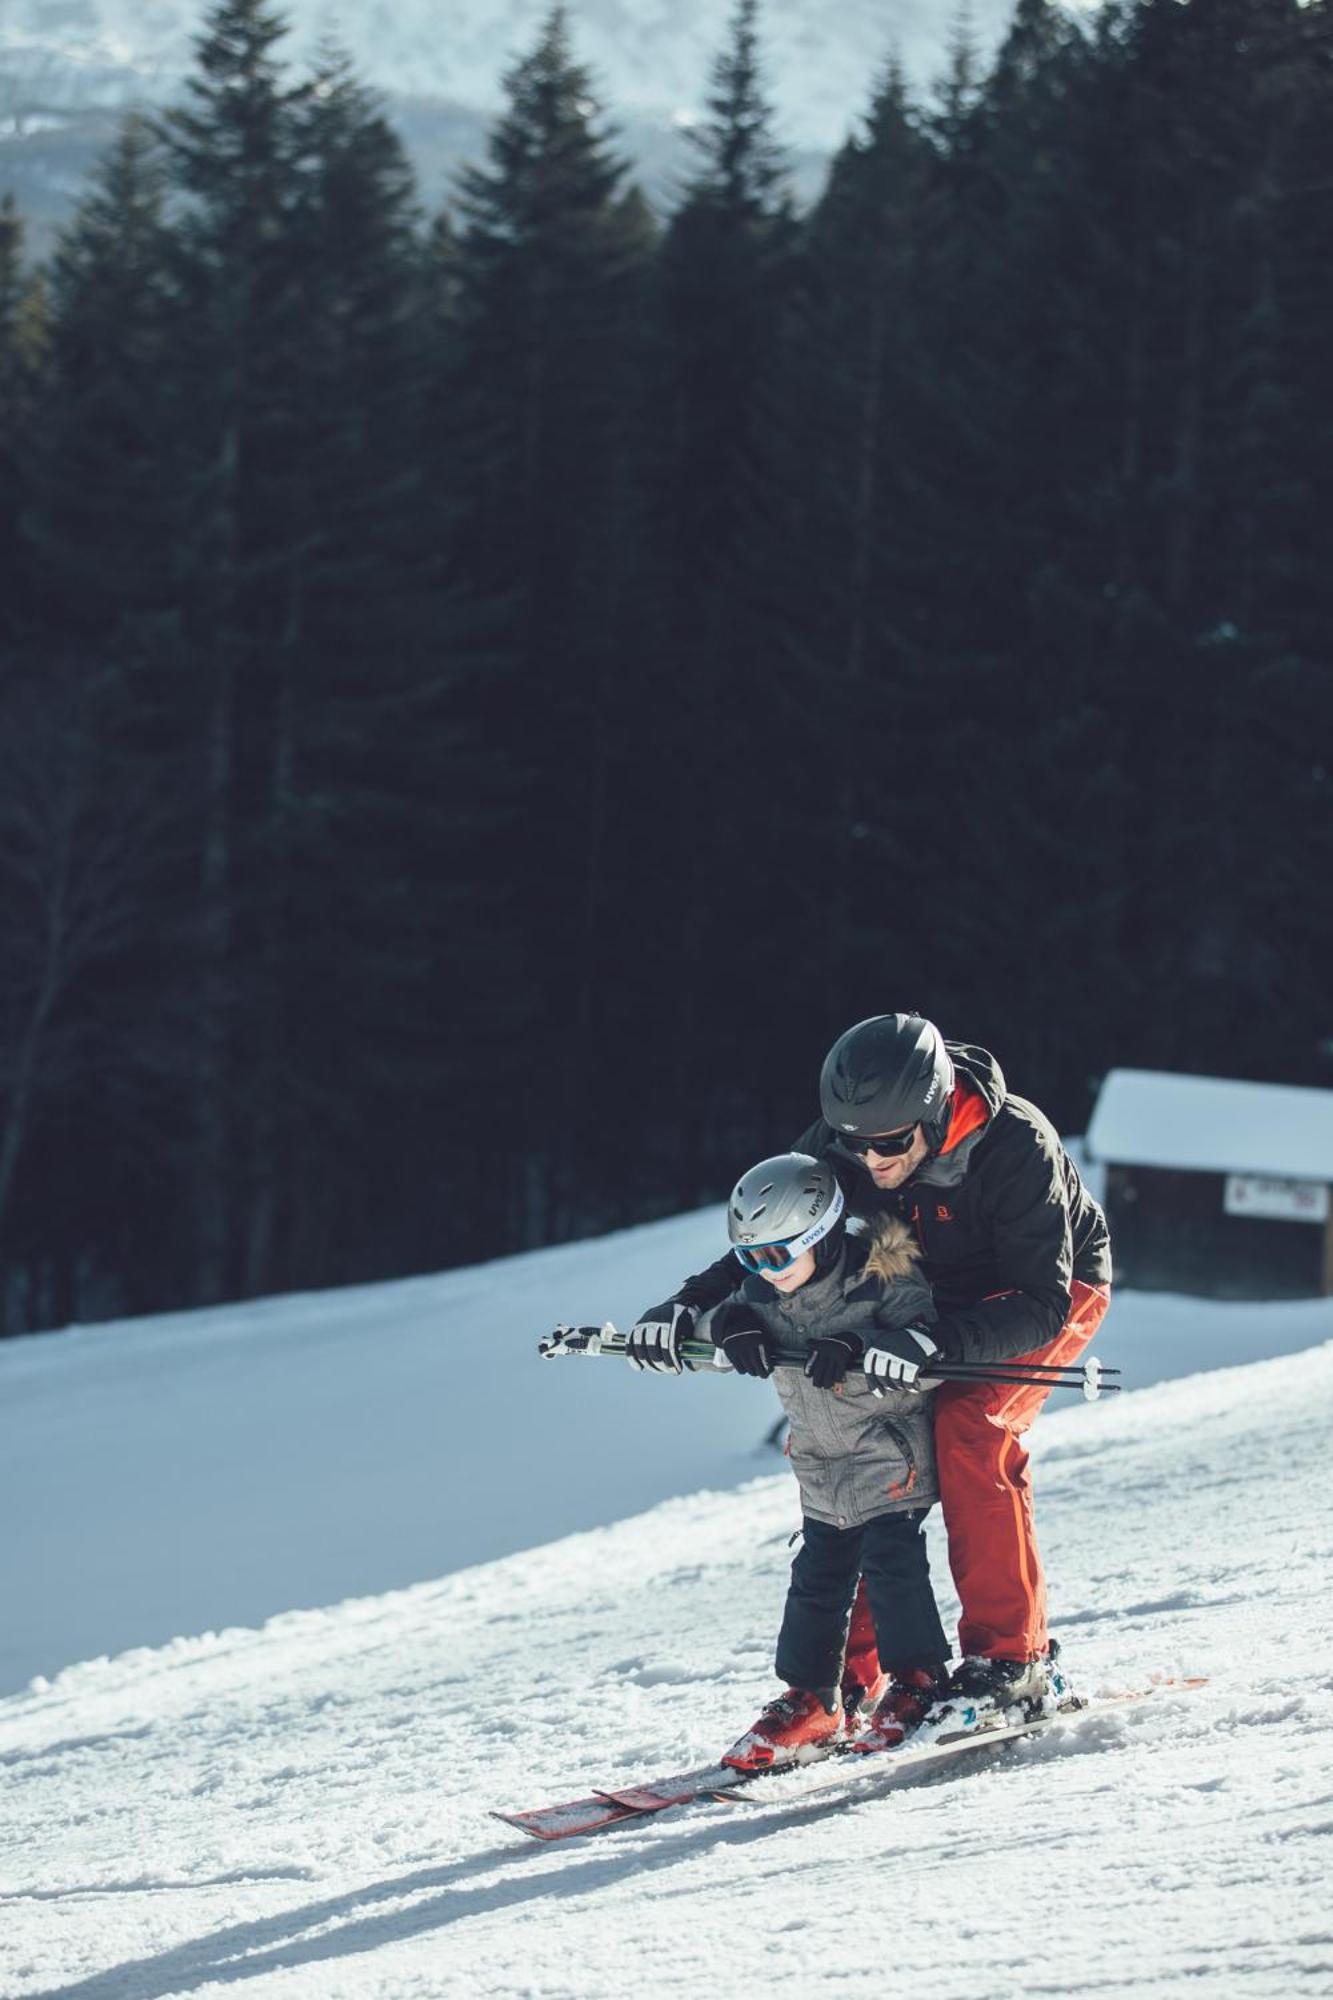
<point x="1216" y="1187"/>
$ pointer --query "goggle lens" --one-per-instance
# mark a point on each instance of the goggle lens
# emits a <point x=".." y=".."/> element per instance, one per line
<point x="766" y="1256"/>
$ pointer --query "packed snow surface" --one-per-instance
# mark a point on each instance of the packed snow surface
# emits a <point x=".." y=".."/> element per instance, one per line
<point x="303" y="1808"/>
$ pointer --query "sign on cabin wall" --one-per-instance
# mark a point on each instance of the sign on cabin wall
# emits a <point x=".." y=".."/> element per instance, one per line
<point x="1276" y="1200"/>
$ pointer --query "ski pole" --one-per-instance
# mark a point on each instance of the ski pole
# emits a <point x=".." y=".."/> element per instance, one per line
<point x="1088" y="1380"/>
<point x="1034" y="1368"/>
<point x="1089" y="1375"/>
<point x="701" y="1357"/>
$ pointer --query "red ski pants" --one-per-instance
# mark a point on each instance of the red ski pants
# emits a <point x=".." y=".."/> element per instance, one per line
<point x="986" y="1494"/>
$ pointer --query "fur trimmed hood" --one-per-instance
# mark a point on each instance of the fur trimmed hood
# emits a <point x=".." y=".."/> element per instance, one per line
<point x="894" y="1251"/>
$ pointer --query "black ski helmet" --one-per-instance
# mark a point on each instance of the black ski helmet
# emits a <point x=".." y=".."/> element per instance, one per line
<point x="890" y="1071"/>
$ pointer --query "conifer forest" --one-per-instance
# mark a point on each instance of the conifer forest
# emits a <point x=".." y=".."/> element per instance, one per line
<point x="486" y="696"/>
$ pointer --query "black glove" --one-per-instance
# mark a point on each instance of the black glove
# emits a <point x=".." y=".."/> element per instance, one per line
<point x="746" y="1344"/>
<point x="895" y="1358"/>
<point x="830" y="1357"/>
<point x="655" y="1337"/>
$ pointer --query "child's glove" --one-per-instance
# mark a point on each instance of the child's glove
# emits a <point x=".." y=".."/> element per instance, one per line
<point x="897" y="1358"/>
<point x="746" y="1344"/>
<point x="830" y="1358"/>
<point x="655" y="1337"/>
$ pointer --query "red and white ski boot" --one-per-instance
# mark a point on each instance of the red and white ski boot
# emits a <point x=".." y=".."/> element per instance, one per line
<point x="797" y="1728"/>
<point x="859" y="1703"/>
<point x="910" y="1697"/>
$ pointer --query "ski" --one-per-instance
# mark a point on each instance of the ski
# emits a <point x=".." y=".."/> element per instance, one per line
<point x="840" y="1768"/>
<point x="576" y="1816"/>
<point x="601" y="1809"/>
<point x="932" y="1748"/>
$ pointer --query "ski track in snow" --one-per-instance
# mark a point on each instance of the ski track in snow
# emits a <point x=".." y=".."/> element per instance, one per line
<point x="303" y="1809"/>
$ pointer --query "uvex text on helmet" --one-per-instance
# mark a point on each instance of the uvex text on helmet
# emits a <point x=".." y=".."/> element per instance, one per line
<point x="791" y="1199"/>
<point x="890" y="1071"/>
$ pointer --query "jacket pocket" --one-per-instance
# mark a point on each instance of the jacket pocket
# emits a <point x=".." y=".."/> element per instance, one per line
<point x="901" y="1489"/>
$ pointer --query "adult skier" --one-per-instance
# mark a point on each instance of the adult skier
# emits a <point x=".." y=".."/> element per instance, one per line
<point x="1017" y="1256"/>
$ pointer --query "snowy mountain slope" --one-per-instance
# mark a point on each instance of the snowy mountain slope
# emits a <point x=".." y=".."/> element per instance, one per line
<point x="650" y="59"/>
<point x="70" y="68"/>
<point x="196" y="1470"/>
<point x="303" y="1809"/>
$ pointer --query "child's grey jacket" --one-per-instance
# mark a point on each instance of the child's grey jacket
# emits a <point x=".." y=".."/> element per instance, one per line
<point x="855" y="1454"/>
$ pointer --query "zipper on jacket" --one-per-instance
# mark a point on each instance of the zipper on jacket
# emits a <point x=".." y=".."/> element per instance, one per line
<point x="899" y="1489"/>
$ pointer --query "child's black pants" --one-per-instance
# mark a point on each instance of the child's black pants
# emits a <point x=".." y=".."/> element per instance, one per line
<point x="890" y="1552"/>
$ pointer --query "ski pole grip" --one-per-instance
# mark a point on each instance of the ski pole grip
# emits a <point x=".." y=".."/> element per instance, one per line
<point x="564" y="1340"/>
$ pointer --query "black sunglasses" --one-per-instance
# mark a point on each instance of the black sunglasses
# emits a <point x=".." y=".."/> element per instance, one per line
<point x="889" y="1145"/>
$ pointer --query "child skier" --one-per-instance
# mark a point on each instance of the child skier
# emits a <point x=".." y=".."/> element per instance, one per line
<point x="863" y="1455"/>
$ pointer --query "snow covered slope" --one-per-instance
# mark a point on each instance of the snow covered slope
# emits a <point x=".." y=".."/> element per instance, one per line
<point x="178" y="1474"/>
<point x="302" y="1810"/>
<point x="182" y="1473"/>
<point x="200" y="1469"/>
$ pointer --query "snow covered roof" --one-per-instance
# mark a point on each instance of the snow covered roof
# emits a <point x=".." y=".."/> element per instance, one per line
<point x="1213" y="1124"/>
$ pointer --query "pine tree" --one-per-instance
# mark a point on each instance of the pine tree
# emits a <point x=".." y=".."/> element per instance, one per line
<point x="90" y="1079"/>
<point x="727" y="264"/>
<point x="540" y="409"/>
<point x="545" y="286"/>
<point x="361" y="896"/>
<point x="234" y="153"/>
<point x="742" y="169"/>
<point x="23" y="317"/>
<point x="322" y="640"/>
<point x="1031" y="360"/>
<point x="1135" y="387"/>
<point x="1289" y="420"/>
<point x="1219" y="97"/>
<point x="102" y="520"/>
<point x="861" y="457"/>
<point x="724" y="288"/>
<point x="103" y="847"/>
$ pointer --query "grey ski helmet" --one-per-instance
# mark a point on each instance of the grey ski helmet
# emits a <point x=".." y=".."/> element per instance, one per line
<point x="886" y="1073"/>
<point x="790" y="1202"/>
